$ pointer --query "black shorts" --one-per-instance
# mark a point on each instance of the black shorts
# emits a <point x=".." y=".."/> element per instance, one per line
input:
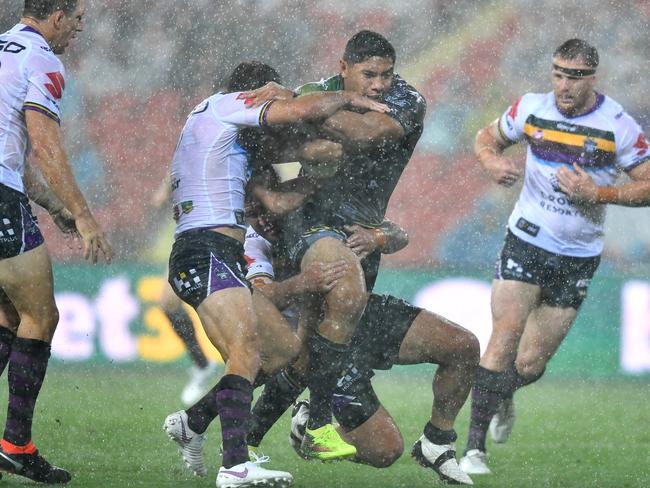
<point x="203" y="262"/>
<point x="307" y="239"/>
<point x="354" y="400"/>
<point x="564" y="280"/>
<point x="19" y="230"/>
<point x="381" y="330"/>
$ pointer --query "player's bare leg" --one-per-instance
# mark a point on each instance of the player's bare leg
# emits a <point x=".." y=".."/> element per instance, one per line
<point x="27" y="282"/>
<point x="434" y="339"/>
<point x="329" y="346"/>
<point x="512" y="303"/>
<point x="378" y="440"/>
<point x="279" y="344"/>
<point x="546" y="328"/>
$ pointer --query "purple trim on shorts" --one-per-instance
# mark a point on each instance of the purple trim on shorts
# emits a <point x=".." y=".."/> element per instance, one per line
<point x="32" y="237"/>
<point x="221" y="277"/>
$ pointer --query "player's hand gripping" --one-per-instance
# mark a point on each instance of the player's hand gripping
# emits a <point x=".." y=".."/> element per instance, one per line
<point x="322" y="277"/>
<point x="501" y="169"/>
<point x="94" y="239"/>
<point x="270" y="91"/>
<point x="361" y="241"/>
<point x="577" y="184"/>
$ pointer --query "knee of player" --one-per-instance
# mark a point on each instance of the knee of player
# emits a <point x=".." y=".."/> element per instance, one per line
<point x="530" y="367"/>
<point x="472" y="349"/>
<point x="390" y="450"/>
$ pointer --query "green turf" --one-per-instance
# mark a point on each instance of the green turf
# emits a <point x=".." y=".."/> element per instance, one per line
<point x="104" y="424"/>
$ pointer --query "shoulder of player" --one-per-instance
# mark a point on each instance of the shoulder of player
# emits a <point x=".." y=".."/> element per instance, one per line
<point x="530" y="103"/>
<point x="614" y="110"/>
<point x="333" y="83"/>
<point x="38" y="52"/>
<point x="401" y="89"/>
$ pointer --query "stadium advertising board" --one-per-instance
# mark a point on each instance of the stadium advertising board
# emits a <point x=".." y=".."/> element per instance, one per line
<point x="115" y="317"/>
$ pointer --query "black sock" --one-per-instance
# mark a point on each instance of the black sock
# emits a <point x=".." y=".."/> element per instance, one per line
<point x="490" y="387"/>
<point x="202" y="413"/>
<point x="439" y="436"/>
<point x="27" y="365"/>
<point x="278" y="395"/>
<point x="326" y="360"/>
<point x="6" y="340"/>
<point x="182" y="324"/>
<point x="234" y="398"/>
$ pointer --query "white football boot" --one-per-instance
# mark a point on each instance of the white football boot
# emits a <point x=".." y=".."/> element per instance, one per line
<point x="503" y="421"/>
<point x="475" y="462"/>
<point x="442" y="459"/>
<point x="299" y="419"/>
<point x="252" y="474"/>
<point x="190" y="444"/>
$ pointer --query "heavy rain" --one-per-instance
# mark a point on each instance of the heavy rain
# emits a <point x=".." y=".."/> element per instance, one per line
<point x="417" y="244"/>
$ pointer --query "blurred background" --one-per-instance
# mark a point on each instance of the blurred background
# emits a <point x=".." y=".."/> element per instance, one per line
<point x="139" y="67"/>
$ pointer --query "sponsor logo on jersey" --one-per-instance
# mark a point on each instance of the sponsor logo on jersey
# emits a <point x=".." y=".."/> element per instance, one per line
<point x="641" y="144"/>
<point x="56" y="87"/>
<point x="590" y="146"/>
<point x="513" y="109"/>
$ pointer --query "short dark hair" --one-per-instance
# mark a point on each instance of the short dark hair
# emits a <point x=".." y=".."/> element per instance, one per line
<point x="250" y="75"/>
<point x="42" y="9"/>
<point x="577" y="48"/>
<point x="367" y="44"/>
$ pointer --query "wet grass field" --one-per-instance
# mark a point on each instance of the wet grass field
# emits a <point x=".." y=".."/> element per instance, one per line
<point x="104" y="424"/>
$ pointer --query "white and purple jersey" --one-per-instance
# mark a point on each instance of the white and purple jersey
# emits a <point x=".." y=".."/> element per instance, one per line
<point x="604" y="142"/>
<point x="31" y="78"/>
<point x="210" y="169"/>
<point x="259" y="255"/>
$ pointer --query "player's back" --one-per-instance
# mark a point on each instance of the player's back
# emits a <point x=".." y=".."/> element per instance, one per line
<point x="31" y="77"/>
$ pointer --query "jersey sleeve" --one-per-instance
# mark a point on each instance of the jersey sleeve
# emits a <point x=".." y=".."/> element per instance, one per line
<point x="631" y="144"/>
<point x="407" y="106"/>
<point x="511" y="123"/>
<point x="236" y="112"/>
<point x="258" y="252"/>
<point x="46" y="77"/>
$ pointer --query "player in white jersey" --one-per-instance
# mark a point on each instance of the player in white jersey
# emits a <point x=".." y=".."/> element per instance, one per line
<point x="32" y="81"/>
<point x="208" y="177"/>
<point x="579" y="140"/>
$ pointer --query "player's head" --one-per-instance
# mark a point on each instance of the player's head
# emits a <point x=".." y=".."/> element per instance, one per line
<point x="250" y="75"/>
<point x="60" y="20"/>
<point x="368" y="63"/>
<point x="264" y="222"/>
<point x="574" y="76"/>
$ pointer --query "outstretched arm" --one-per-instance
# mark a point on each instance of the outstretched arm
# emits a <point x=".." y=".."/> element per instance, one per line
<point x="49" y="155"/>
<point x="317" y="106"/>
